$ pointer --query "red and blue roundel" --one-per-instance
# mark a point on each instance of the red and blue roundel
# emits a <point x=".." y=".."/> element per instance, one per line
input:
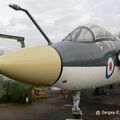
<point x="109" y="67"/>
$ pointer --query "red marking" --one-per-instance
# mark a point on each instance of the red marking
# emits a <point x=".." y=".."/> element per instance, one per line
<point x="110" y="66"/>
<point x="99" y="45"/>
<point x="107" y="43"/>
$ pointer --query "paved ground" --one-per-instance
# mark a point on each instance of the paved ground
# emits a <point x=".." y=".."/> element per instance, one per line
<point x="55" y="108"/>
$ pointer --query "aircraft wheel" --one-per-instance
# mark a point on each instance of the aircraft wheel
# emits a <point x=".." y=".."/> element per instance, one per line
<point x="77" y="116"/>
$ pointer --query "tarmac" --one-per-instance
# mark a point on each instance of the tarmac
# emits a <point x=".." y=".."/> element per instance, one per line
<point x="105" y="107"/>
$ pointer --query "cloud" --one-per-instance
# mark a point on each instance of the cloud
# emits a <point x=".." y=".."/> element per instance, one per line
<point x="58" y="18"/>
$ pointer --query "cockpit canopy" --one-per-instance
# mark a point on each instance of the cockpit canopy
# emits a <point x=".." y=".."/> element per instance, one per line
<point x="89" y="33"/>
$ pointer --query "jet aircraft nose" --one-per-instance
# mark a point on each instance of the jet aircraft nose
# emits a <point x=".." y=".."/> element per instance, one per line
<point x="37" y="65"/>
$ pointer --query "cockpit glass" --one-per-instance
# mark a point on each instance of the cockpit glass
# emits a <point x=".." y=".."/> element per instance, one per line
<point x="80" y="35"/>
<point x="72" y="35"/>
<point x="84" y="36"/>
<point x="89" y="33"/>
<point x="100" y="33"/>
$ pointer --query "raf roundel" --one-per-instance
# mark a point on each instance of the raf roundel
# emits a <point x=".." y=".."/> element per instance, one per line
<point x="109" y="67"/>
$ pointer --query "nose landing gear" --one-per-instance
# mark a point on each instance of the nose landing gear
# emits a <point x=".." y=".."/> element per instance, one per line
<point x="76" y="111"/>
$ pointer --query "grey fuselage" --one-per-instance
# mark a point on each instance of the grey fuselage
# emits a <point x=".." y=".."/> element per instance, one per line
<point x="86" y="54"/>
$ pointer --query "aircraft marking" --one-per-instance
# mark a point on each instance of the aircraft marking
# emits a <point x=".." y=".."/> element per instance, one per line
<point x="109" y="67"/>
<point x="99" y="45"/>
<point x="107" y="43"/>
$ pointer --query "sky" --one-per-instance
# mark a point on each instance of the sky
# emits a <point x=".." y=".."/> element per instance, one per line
<point x="56" y="18"/>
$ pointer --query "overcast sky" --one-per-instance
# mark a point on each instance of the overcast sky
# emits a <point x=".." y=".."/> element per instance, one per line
<point x="56" y="17"/>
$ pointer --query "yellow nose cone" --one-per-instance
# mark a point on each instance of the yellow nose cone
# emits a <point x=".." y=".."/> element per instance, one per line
<point x="38" y="65"/>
